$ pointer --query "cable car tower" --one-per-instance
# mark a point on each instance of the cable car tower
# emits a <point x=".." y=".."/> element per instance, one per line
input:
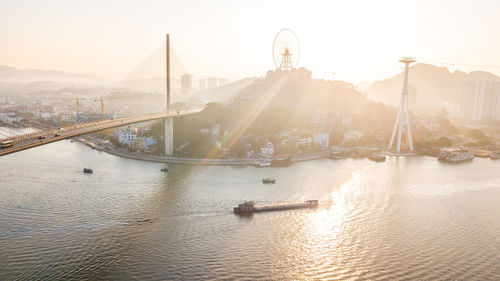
<point x="402" y="118"/>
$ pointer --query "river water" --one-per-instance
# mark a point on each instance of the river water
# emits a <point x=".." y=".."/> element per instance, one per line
<point x="407" y="218"/>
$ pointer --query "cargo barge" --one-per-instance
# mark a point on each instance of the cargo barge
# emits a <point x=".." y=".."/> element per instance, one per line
<point x="249" y="207"/>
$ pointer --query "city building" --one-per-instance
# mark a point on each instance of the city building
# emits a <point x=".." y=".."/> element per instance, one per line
<point x="80" y="117"/>
<point x="222" y="81"/>
<point x="126" y="135"/>
<point x="211" y="82"/>
<point x="481" y="100"/>
<point x="215" y="131"/>
<point x="299" y="73"/>
<point x="10" y="117"/>
<point x="267" y="151"/>
<point x="186" y="84"/>
<point x="303" y="143"/>
<point x="139" y="143"/>
<point x="202" y="84"/>
<point x="323" y="139"/>
<point x="250" y="154"/>
<point x="420" y="133"/>
<point x="347" y="121"/>
<point x="149" y="141"/>
<point x="142" y="143"/>
<point x="352" y="135"/>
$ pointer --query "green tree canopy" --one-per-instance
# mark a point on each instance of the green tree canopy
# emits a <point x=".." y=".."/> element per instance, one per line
<point x="475" y="134"/>
<point x="443" y="142"/>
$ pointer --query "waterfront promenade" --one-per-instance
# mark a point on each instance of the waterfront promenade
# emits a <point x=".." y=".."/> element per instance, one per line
<point x="195" y="161"/>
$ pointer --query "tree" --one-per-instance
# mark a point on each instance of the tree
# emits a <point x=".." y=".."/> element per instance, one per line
<point x="475" y="134"/>
<point x="424" y="145"/>
<point x="452" y="130"/>
<point x="443" y="142"/>
<point x="443" y="112"/>
<point x="238" y="149"/>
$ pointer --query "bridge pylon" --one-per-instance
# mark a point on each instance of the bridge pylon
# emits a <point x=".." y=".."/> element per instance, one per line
<point x="169" y="122"/>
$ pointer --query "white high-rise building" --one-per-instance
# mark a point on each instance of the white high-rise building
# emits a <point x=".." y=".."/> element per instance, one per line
<point x="222" y="81"/>
<point x="202" y="84"/>
<point x="186" y="84"/>
<point x="211" y="82"/>
<point x="481" y="100"/>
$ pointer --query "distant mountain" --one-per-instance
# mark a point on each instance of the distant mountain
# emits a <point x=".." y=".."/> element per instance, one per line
<point x="11" y="74"/>
<point x="18" y="88"/>
<point x="429" y="85"/>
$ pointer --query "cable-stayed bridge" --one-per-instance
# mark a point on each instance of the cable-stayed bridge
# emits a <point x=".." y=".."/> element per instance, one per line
<point x="38" y="138"/>
<point x="126" y="104"/>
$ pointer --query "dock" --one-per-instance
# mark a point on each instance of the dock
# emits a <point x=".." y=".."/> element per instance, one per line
<point x="249" y="207"/>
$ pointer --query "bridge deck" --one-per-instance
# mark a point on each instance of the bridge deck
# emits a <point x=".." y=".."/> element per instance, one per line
<point x="38" y="138"/>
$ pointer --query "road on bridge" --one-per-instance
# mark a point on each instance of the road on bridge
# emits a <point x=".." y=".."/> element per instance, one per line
<point x="38" y="138"/>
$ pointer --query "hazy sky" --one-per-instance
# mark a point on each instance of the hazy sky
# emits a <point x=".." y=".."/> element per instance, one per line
<point x="358" y="40"/>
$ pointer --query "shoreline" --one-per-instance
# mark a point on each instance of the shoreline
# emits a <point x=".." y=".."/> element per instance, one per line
<point x="194" y="161"/>
<point x="95" y="144"/>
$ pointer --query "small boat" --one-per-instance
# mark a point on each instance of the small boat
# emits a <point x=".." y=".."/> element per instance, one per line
<point x="268" y="180"/>
<point x="164" y="169"/>
<point x="377" y="157"/>
<point x="87" y="171"/>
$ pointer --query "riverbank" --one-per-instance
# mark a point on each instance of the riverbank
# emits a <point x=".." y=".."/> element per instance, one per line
<point x="131" y="220"/>
<point x="192" y="161"/>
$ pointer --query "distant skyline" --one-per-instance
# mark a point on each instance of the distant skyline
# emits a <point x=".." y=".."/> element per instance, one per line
<point x="356" y="40"/>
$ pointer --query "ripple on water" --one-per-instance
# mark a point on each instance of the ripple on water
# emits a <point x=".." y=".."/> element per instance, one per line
<point x="399" y="220"/>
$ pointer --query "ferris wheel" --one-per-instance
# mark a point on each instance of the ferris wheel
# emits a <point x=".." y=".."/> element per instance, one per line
<point x="286" y="50"/>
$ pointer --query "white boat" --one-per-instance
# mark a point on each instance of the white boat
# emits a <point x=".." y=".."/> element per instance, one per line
<point x="263" y="164"/>
<point x="455" y="155"/>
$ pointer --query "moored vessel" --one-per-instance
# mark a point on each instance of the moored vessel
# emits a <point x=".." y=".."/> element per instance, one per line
<point x="281" y="161"/>
<point x="268" y="180"/>
<point x="249" y="207"/>
<point x="263" y="164"/>
<point x="377" y="157"/>
<point x="455" y="155"/>
<point x="495" y="155"/>
<point x="342" y="154"/>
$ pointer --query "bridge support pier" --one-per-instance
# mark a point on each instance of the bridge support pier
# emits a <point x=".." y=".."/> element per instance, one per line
<point x="169" y="122"/>
<point x="169" y="136"/>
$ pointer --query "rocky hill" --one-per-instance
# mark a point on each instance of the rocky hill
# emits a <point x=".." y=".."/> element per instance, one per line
<point x="429" y="85"/>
